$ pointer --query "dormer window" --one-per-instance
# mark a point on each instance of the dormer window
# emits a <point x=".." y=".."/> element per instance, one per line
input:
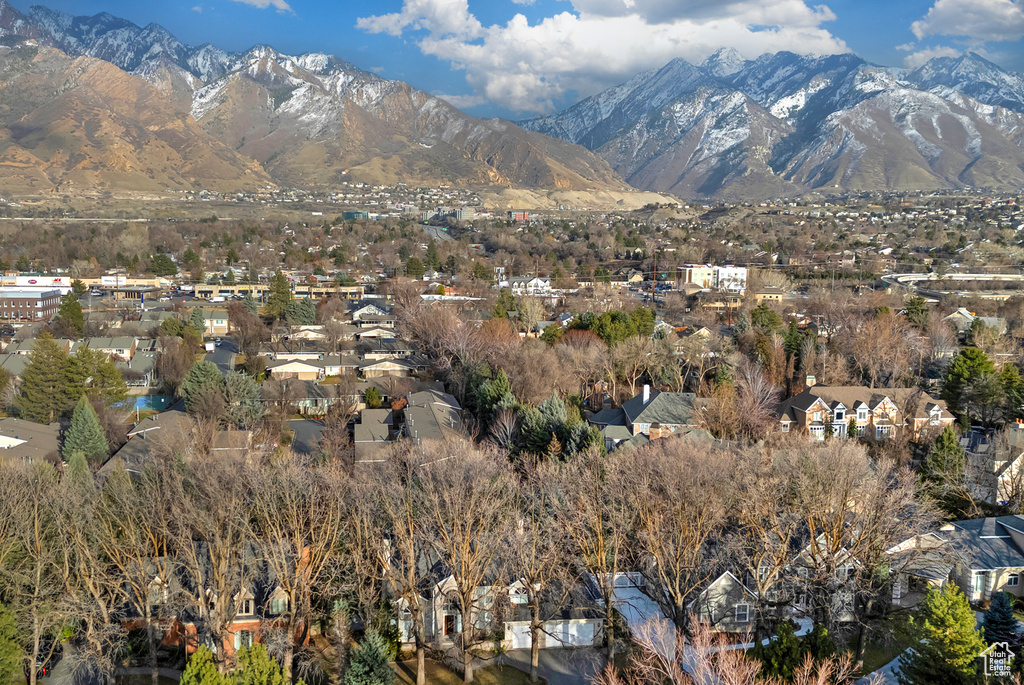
<point x="840" y="414"/>
<point x="862" y="414"/>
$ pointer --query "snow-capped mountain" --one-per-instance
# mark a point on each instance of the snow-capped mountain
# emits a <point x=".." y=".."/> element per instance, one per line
<point x="313" y="119"/>
<point x="786" y="124"/>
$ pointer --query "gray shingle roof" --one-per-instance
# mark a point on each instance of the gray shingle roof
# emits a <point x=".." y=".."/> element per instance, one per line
<point x="986" y="544"/>
<point x="664" y="408"/>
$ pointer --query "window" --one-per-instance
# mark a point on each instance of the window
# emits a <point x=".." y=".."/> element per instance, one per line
<point x="245" y="607"/>
<point x="840" y="415"/>
<point x="817" y="432"/>
<point x="278" y="605"/>
<point x="785" y="427"/>
<point x="979" y="581"/>
<point x="742" y="613"/>
<point x="817" y="417"/>
<point x="519" y="596"/>
<point x="243" y="639"/>
<point x="762" y="573"/>
<point x="882" y="432"/>
<point x="862" y="414"/>
<point x="1013" y="580"/>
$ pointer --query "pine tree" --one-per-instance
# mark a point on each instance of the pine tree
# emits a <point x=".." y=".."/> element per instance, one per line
<point x="279" y="297"/>
<point x="43" y="398"/>
<point x="201" y="669"/>
<point x="948" y="641"/>
<point x="11" y="651"/>
<point x="203" y="379"/>
<point x="369" y="665"/>
<point x="69" y="315"/>
<point x="250" y="303"/>
<point x="414" y="268"/>
<point x="999" y="622"/>
<point x="100" y="378"/>
<point x="968" y="365"/>
<point x="197" y="320"/>
<point x="85" y="435"/>
<point x="78" y="467"/>
<point x="945" y="461"/>
<point x="432" y="261"/>
<point x="243" y="399"/>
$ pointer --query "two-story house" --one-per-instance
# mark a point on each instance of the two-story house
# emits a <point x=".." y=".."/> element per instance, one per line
<point x="876" y="414"/>
<point x="652" y="412"/>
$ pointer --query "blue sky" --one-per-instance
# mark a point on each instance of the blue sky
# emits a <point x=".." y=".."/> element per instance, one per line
<point x="521" y="57"/>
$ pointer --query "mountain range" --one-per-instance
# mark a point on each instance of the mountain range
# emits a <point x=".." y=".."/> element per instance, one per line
<point x="101" y="102"/>
<point x="258" y="117"/>
<point x="786" y="124"/>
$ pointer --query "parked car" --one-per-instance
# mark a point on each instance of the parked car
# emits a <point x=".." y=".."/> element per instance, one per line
<point x="217" y="342"/>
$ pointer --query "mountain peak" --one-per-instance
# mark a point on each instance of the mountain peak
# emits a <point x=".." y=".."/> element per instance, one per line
<point x="724" y="62"/>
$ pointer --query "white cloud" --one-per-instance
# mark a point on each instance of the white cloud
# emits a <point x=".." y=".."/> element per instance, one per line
<point x="981" y="20"/>
<point x="463" y="101"/>
<point x="279" y="5"/>
<point x="529" y="67"/>
<point x="198" y="8"/>
<point x="916" y="59"/>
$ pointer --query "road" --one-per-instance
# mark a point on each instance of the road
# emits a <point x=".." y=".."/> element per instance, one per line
<point x="307" y="435"/>
<point x="224" y="356"/>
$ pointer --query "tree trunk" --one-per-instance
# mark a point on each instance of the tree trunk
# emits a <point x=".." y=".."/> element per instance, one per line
<point x="609" y="628"/>
<point x="289" y="655"/>
<point x="421" y="651"/>
<point x="467" y="642"/>
<point x="151" y="639"/>
<point x="535" y="642"/>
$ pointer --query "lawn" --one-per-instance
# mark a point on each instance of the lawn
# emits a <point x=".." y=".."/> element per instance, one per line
<point x="439" y="675"/>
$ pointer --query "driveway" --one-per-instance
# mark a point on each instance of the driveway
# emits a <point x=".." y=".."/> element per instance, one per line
<point x="223" y="356"/>
<point x="576" y="666"/>
<point x="307" y="435"/>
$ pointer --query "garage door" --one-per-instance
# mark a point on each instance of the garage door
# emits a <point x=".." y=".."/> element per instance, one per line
<point x="571" y="634"/>
<point x="521" y="637"/>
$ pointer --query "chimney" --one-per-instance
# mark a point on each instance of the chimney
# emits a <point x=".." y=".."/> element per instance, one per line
<point x="810" y="381"/>
<point x="647" y="394"/>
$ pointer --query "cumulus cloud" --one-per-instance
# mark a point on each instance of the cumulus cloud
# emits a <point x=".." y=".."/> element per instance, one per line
<point x="279" y="5"/>
<point x="981" y="20"/>
<point x="916" y="59"/>
<point x="530" y="67"/>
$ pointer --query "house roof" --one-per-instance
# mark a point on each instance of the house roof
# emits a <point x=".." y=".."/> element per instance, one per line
<point x="28" y="440"/>
<point x="432" y="415"/>
<point x="374" y="425"/>
<point x="665" y="408"/>
<point x="987" y="543"/>
<point x="852" y="396"/>
<point x="609" y="416"/>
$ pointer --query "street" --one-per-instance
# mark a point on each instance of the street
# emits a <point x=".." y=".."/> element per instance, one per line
<point x="224" y="356"/>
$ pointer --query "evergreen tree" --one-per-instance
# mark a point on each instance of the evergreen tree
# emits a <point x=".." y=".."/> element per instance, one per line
<point x="43" y="397"/>
<point x="250" y="303"/>
<point x="742" y="324"/>
<point x="301" y="312"/>
<point x="432" y="261"/>
<point x="968" y="366"/>
<point x="201" y="669"/>
<point x="256" y="667"/>
<point x="999" y="622"/>
<point x="197" y="320"/>
<point x="70" y="316"/>
<point x="818" y="644"/>
<point x="373" y="398"/>
<point x="764" y="318"/>
<point x="172" y="327"/>
<point x="414" y="268"/>
<point x="78" y="288"/>
<point x="782" y="655"/>
<point x="101" y="379"/>
<point x="85" y="435"/>
<point x="11" y="650"/>
<point x="368" y="664"/>
<point x="945" y="461"/>
<point x="202" y="380"/>
<point x="279" y="297"/>
<point x="948" y="641"/>
<point x="1013" y="393"/>
<point x="917" y="312"/>
<point x="243" y="400"/>
<point x="78" y="467"/>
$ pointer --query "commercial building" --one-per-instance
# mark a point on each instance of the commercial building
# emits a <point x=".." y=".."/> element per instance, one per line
<point x="29" y="304"/>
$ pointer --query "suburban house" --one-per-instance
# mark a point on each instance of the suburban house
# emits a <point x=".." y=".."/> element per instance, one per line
<point x="652" y="413"/>
<point x="962" y="320"/>
<point x="432" y="415"/>
<point x="216" y="322"/>
<point x="122" y="348"/>
<point x="726" y="605"/>
<point x="374" y="431"/>
<point x="28" y="442"/>
<point x="993" y="463"/>
<point x="499" y="611"/>
<point x="989" y="555"/>
<point x="290" y="368"/>
<point x="529" y="285"/>
<point x="876" y="413"/>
